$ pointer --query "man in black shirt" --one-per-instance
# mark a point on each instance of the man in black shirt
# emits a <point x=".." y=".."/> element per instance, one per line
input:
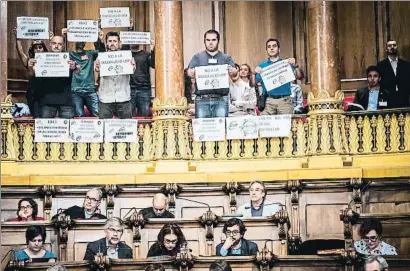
<point x="158" y="209"/>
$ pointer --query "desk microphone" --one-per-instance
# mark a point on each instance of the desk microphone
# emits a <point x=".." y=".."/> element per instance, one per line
<point x="267" y="240"/>
<point x="191" y="200"/>
<point x="273" y="203"/>
<point x="8" y="252"/>
<point x="133" y="208"/>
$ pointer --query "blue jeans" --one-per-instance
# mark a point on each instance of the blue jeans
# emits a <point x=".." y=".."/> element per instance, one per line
<point x="50" y="111"/>
<point x="211" y="107"/>
<point x="141" y="99"/>
<point x="89" y="98"/>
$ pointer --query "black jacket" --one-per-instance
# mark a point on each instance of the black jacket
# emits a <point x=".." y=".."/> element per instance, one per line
<point x="156" y="250"/>
<point x="149" y="213"/>
<point x="141" y="77"/>
<point x="77" y="212"/>
<point x="389" y="81"/>
<point x="124" y="251"/>
<point x="248" y="248"/>
<point x="362" y="97"/>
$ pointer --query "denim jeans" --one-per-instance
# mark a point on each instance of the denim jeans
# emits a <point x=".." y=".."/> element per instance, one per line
<point x="141" y="99"/>
<point x="50" y="111"/>
<point x="211" y="108"/>
<point x="89" y="98"/>
<point x="108" y="110"/>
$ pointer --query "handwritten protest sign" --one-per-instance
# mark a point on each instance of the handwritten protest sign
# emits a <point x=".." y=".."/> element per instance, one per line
<point x="115" y="17"/>
<point x="51" y="130"/>
<point x="212" y="129"/>
<point x="275" y="126"/>
<point x="212" y="77"/>
<point x="82" y="30"/>
<point x="246" y="127"/>
<point x="52" y="65"/>
<point x="115" y="63"/>
<point x="277" y="74"/>
<point x="86" y="131"/>
<point x="131" y="37"/>
<point x="120" y="130"/>
<point x="32" y="28"/>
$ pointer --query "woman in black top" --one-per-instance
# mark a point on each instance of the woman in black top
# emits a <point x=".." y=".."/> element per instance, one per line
<point x="168" y="243"/>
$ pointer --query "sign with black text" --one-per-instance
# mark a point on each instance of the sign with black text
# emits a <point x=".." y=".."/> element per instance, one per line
<point x="115" y="63"/>
<point x="212" y="77"/>
<point x="115" y="17"/>
<point x="275" y="125"/>
<point x="52" y="65"/>
<point x="32" y="28"/>
<point x="82" y="30"/>
<point x="212" y="129"/>
<point x="131" y="37"/>
<point x="277" y="74"/>
<point x="86" y="131"/>
<point x="51" y="130"/>
<point x="246" y="127"/>
<point x="121" y="130"/>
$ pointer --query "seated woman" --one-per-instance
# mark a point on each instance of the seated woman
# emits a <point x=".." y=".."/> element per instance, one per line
<point x="242" y="96"/>
<point x="27" y="210"/>
<point x="35" y="237"/>
<point x="168" y="243"/>
<point x="258" y="205"/>
<point x="371" y="244"/>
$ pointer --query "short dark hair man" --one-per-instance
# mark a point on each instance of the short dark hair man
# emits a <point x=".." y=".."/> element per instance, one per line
<point x="235" y="244"/>
<point x="395" y="74"/>
<point x="371" y="97"/>
<point x="111" y="244"/>
<point x="213" y="102"/>
<point x="278" y="100"/>
<point x="158" y="209"/>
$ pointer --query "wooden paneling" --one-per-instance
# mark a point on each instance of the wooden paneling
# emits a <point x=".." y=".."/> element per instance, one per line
<point x="399" y="26"/>
<point x="250" y="24"/>
<point x="357" y="39"/>
<point x="3" y="61"/>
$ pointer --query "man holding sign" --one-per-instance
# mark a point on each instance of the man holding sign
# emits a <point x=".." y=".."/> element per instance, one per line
<point x="276" y="81"/>
<point x="212" y="85"/>
<point x="114" y="91"/>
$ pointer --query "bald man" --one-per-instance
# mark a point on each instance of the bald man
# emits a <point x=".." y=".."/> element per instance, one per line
<point x="158" y="209"/>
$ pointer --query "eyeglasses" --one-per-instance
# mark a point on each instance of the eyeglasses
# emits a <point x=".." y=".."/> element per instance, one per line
<point x="233" y="233"/>
<point x="94" y="200"/>
<point x="171" y="241"/>
<point x="116" y="231"/>
<point x="371" y="238"/>
<point x="28" y="207"/>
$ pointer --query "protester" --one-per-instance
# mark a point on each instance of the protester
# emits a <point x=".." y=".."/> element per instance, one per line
<point x="27" y="210"/>
<point x="242" y="97"/>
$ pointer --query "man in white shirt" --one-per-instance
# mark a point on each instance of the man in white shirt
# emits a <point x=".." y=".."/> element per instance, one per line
<point x="114" y="91"/>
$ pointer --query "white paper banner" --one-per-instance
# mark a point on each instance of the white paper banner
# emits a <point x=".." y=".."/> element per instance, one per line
<point x="52" y="65"/>
<point x="121" y="130"/>
<point x="115" y="63"/>
<point x="246" y="127"/>
<point x="51" y="130"/>
<point x="115" y="17"/>
<point x="130" y="37"/>
<point x="277" y="74"/>
<point x="82" y="30"/>
<point x="212" y="77"/>
<point x="32" y="28"/>
<point x="86" y="131"/>
<point x="212" y="129"/>
<point x="275" y="126"/>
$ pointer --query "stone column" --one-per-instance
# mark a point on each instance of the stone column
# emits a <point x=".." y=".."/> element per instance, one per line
<point x="3" y="67"/>
<point x="324" y="58"/>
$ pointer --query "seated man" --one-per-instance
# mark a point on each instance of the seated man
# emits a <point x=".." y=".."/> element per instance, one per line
<point x="235" y="244"/>
<point x="111" y="244"/>
<point x="376" y="263"/>
<point x="90" y="207"/>
<point x="371" y="244"/>
<point x="370" y="97"/>
<point x="258" y="205"/>
<point x="158" y="209"/>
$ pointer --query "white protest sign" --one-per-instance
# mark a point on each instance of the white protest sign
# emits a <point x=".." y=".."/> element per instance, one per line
<point x="51" y="130"/>
<point x="212" y="77"/>
<point x="52" y="65"/>
<point x="115" y="17"/>
<point x="32" y="28"/>
<point x="246" y="127"/>
<point x="86" y="131"/>
<point x="212" y="129"/>
<point x="277" y="74"/>
<point x="121" y="130"/>
<point x="275" y="126"/>
<point x="115" y="63"/>
<point x="131" y="37"/>
<point x="82" y="30"/>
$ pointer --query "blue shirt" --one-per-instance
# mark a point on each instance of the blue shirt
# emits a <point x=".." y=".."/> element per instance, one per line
<point x="282" y="90"/>
<point x="110" y="254"/>
<point x="235" y="251"/>
<point x="373" y="99"/>
<point x="21" y="255"/>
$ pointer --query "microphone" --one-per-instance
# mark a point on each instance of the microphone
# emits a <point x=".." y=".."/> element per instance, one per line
<point x="133" y="208"/>
<point x="273" y="203"/>
<point x="191" y="200"/>
<point x="7" y="254"/>
<point x="266" y="242"/>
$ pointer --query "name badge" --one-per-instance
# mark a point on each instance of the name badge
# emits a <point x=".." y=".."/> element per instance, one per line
<point x="84" y="57"/>
<point x="382" y="103"/>
<point x="212" y="61"/>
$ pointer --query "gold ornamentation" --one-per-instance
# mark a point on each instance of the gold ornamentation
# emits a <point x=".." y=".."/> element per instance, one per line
<point x="407" y="132"/>
<point x="148" y="149"/>
<point x="28" y="144"/>
<point x="170" y="109"/>
<point x="395" y="135"/>
<point x="387" y="126"/>
<point x="324" y="104"/>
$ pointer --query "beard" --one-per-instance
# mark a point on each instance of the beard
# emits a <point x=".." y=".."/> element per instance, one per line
<point x="80" y="46"/>
<point x="392" y="52"/>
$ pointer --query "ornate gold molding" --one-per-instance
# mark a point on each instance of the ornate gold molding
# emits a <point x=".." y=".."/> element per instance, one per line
<point x="325" y="104"/>
<point x="170" y="109"/>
